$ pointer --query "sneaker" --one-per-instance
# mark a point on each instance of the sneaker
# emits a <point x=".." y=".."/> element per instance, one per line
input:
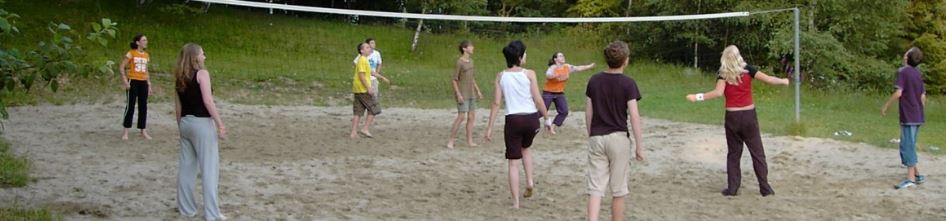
<point x="904" y="184"/>
<point x="920" y="179"/>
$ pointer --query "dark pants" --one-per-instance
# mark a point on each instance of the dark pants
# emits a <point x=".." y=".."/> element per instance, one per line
<point x="137" y="92"/>
<point x="743" y="127"/>
<point x="561" y="105"/>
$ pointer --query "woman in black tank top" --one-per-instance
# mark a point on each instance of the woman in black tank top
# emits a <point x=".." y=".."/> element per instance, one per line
<point x="200" y="125"/>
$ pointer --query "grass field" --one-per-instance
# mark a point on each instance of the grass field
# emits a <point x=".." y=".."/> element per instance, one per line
<point x="256" y="58"/>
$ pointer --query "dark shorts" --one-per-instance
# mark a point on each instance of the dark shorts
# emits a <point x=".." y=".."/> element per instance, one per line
<point x="519" y="131"/>
<point x="362" y="102"/>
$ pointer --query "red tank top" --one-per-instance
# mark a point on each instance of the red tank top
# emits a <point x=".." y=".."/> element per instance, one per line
<point x="739" y="95"/>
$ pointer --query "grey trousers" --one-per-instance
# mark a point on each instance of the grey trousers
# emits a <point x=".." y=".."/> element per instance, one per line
<point x="198" y="153"/>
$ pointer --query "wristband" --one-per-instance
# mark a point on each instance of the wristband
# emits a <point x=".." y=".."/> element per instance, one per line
<point x="700" y="97"/>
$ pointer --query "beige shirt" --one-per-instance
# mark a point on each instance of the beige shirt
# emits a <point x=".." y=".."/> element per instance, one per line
<point x="464" y="77"/>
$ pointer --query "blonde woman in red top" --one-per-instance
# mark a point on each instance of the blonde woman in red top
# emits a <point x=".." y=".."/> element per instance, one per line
<point x="742" y="125"/>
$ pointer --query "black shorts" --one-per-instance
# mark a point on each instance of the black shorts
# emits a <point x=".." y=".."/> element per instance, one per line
<point x="519" y="131"/>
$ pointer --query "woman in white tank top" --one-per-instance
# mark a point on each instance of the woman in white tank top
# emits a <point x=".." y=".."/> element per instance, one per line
<point x="523" y="108"/>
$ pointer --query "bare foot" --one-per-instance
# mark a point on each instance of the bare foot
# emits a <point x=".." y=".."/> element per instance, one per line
<point x="515" y="205"/>
<point x="471" y="144"/>
<point x="125" y="136"/>
<point x="366" y="134"/>
<point x="552" y="130"/>
<point x="354" y="136"/>
<point x="450" y="144"/>
<point x="528" y="192"/>
<point x="145" y="135"/>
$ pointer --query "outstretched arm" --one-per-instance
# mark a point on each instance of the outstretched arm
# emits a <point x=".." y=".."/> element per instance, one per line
<point x="771" y="79"/>
<point x="716" y="92"/>
<point x="584" y="67"/>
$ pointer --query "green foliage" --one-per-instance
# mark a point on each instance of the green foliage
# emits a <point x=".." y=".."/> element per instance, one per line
<point x="927" y="30"/>
<point x="61" y="55"/>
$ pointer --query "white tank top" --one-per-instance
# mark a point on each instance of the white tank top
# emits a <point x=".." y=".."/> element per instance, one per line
<point x="517" y="92"/>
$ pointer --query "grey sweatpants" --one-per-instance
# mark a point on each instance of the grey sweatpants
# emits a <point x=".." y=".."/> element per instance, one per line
<point x="198" y="153"/>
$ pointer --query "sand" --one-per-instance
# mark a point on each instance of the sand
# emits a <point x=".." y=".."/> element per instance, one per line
<point x="296" y="163"/>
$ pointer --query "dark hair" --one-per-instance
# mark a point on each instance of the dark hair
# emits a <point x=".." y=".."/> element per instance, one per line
<point x="554" y="56"/>
<point x="616" y="53"/>
<point x="134" y="41"/>
<point x="914" y="56"/>
<point x="358" y="49"/>
<point x="513" y="53"/>
<point x="368" y="40"/>
<point x="464" y="44"/>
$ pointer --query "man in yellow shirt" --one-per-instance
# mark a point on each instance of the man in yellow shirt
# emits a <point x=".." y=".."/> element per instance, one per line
<point x="363" y="95"/>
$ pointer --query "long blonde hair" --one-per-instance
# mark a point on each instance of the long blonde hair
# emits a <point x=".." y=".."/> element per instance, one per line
<point x="731" y="65"/>
<point x="187" y="65"/>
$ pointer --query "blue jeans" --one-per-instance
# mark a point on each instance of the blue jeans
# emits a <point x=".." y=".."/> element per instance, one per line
<point x="908" y="135"/>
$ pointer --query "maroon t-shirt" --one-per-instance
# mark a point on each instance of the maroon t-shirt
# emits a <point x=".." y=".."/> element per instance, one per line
<point x="910" y="81"/>
<point x="609" y="95"/>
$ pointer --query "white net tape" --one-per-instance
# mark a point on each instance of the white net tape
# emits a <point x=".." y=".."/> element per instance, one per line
<point x="475" y="18"/>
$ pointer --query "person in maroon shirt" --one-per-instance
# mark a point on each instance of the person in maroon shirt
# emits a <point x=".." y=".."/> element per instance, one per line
<point x="611" y="100"/>
<point x="912" y="96"/>
<point x="742" y="125"/>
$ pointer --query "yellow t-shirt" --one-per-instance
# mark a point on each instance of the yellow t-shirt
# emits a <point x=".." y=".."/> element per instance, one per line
<point x="361" y="67"/>
<point x="137" y="65"/>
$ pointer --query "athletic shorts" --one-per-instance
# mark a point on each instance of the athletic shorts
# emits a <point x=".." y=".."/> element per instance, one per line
<point x="519" y="131"/>
<point x="362" y="102"/>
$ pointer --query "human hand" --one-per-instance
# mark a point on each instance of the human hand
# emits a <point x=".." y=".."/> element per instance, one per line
<point x="222" y="132"/>
<point x="691" y="97"/>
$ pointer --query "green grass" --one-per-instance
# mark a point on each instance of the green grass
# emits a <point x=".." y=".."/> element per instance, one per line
<point x="28" y="215"/>
<point x="256" y="58"/>
<point x="14" y="170"/>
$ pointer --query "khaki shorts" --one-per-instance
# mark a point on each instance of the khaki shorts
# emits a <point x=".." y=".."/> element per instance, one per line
<point x="468" y="105"/>
<point x="362" y="102"/>
<point x="609" y="164"/>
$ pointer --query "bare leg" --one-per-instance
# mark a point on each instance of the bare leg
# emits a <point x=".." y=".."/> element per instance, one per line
<point x="455" y="129"/>
<point x="368" y="121"/>
<point x="144" y="133"/>
<point x="514" y="182"/>
<point x="125" y="134"/>
<point x="594" y="207"/>
<point x="911" y="173"/>
<point x="527" y="164"/>
<point x="354" y="125"/>
<point x="471" y="118"/>
<point x="617" y="208"/>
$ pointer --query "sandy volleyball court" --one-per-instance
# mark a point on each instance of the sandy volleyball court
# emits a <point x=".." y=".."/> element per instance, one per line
<point x="296" y="163"/>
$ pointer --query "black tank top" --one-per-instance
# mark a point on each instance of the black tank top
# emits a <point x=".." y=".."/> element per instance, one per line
<point x="192" y="102"/>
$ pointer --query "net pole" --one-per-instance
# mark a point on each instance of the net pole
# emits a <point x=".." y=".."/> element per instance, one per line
<point x="797" y="70"/>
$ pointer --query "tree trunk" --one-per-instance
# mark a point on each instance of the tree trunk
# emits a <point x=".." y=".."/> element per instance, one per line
<point x="696" y="45"/>
<point x="627" y="13"/>
<point x="811" y="15"/>
<point x="417" y="32"/>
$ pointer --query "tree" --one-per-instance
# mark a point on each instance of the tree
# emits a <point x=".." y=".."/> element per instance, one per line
<point x="62" y="55"/>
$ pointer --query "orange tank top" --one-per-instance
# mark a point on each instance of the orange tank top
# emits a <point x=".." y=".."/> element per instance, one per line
<point x="555" y="85"/>
<point x="137" y="65"/>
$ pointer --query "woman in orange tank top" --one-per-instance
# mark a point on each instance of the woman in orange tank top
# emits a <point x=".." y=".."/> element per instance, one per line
<point x="136" y="83"/>
<point x="554" y="91"/>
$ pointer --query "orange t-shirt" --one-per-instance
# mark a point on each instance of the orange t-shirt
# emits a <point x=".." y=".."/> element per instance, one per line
<point x="555" y="85"/>
<point x="137" y="65"/>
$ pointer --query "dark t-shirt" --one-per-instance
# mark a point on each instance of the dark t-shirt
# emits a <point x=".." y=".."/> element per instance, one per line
<point x="911" y="106"/>
<point x="609" y="95"/>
